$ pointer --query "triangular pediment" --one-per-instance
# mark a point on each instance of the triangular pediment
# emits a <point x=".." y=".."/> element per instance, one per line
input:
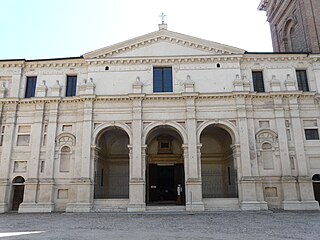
<point x="163" y="43"/>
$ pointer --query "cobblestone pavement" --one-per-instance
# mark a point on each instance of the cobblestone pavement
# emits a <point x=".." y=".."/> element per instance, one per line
<point x="214" y="225"/>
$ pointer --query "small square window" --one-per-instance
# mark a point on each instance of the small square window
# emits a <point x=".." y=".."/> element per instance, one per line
<point x="311" y="134"/>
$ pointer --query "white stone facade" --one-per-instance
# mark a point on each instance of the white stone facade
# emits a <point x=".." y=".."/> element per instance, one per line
<point x="238" y="148"/>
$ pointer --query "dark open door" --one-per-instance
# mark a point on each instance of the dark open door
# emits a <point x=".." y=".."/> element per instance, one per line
<point x="17" y="196"/>
<point x="316" y="189"/>
<point x="166" y="183"/>
<point x="153" y="182"/>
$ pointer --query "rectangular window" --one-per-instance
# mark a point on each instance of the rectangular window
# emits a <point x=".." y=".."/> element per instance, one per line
<point x="312" y="134"/>
<point x="31" y="87"/>
<point x="302" y="80"/>
<point x="258" y="84"/>
<point x="162" y="79"/>
<point x="71" y="86"/>
<point x="23" y="138"/>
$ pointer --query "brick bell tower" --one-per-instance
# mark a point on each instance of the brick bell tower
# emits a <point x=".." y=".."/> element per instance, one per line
<point x="294" y="24"/>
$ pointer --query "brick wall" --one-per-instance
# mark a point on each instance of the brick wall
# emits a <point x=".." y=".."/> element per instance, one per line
<point x="295" y="25"/>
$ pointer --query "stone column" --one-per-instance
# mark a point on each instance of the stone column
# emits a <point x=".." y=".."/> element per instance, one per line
<point x="250" y="186"/>
<point x="7" y="147"/>
<point x="84" y="179"/>
<point x="192" y="162"/>
<point x="137" y="182"/>
<point x="305" y="187"/>
<point x="30" y="200"/>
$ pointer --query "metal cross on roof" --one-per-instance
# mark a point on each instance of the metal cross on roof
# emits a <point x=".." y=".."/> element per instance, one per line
<point x="162" y="16"/>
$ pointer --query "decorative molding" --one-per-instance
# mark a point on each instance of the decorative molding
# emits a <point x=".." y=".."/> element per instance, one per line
<point x="163" y="96"/>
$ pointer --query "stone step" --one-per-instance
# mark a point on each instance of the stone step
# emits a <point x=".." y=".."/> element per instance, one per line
<point x="165" y="208"/>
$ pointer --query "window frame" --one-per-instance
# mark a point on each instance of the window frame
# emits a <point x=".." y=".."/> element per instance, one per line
<point x="312" y="137"/>
<point x="31" y="85"/>
<point x="163" y="80"/>
<point x="256" y="82"/>
<point x="71" y="85"/>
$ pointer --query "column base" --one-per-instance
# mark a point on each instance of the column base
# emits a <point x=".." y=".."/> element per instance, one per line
<point x="36" y="208"/>
<point x="297" y="205"/>
<point x="253" y="206"/>
<point x="4" y="207"/>
<point x="136" y="208"/>
<point x="195" y="207"/>
<point x="79" y="207"/>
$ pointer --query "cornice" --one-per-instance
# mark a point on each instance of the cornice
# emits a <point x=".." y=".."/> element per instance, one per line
<point x="247" y="57"/>
<point x="12" y="64"/>
<point x="165" y="60"/>
<point x="55" y="64"/>
<point x="43" y="64"/>
<point x="163" y="96"/>
<point x="273" y="57"/>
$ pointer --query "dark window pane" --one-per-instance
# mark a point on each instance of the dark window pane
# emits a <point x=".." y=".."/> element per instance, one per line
<point x="258" y="84"/>
<point x="71" y="86"/>
<point x="162" y="80"/>
<point x="157" y="80"/>
<point x="167" y="78"/>
<point x="312" y="134"/>
<point x="31" y="87"/>
<point x="302" y="80"/>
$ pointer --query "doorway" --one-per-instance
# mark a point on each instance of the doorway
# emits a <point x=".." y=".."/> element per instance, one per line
<point x="163" y="183"/>
<point x="164" y="168"/>
<point x="316" y="187"/>
<point x="18" y="192"/>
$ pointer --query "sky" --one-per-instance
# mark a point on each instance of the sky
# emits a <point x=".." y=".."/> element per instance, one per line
<point x="37" y="29"/>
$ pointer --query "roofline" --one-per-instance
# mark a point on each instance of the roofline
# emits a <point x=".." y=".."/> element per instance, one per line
<point x="279" y="53"/>
<point x="54" y="59"/>
<point x="12" y="60"/>
<point x="38" y="60"/>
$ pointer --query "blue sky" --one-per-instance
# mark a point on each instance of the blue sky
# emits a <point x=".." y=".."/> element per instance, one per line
<point x="34" y="29"/>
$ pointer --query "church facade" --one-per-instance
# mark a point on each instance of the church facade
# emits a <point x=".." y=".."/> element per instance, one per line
<point x="162" y="121"/>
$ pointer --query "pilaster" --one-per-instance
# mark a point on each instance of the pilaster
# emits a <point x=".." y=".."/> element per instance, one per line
<point x="288" y="183"/>
<point x="250" y="187"/>
<point x="30" y="201"/>
<point x="193" y="190"/>
<point x="83" y="179"/>
<point x="137" y="202"/>
<point x="46" y="183"/>
<point x="304" y="183"/>
<point x="5" y="163"/>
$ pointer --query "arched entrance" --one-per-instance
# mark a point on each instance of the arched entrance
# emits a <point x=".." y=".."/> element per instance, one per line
<point x="164" y="167"/>
<point x="18" y="191"/>
<point x="112" y="165"/>
<point x="218" y="171"/>
<point x="316" y="187"/>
